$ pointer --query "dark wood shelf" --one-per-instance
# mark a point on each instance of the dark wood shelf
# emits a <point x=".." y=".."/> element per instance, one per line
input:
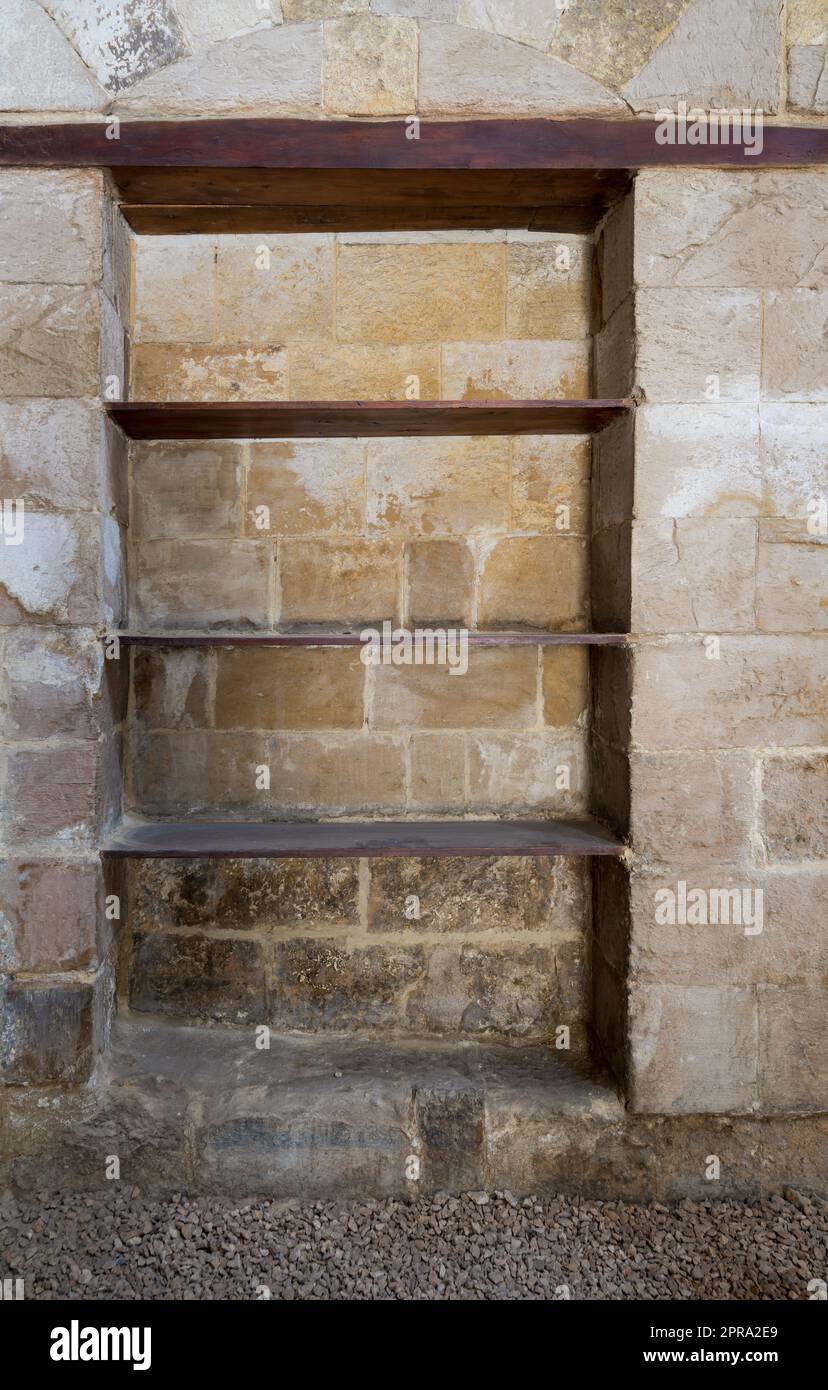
<point x="534" y="637"/>
<point x="359" y="419"/>
<point x="352" y="839"/>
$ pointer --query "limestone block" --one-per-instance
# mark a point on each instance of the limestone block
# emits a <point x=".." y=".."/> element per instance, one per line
<point x="185" y="489"/>
<point x="289" y="688"/>
<point x="515" y="370"/>
<point x="794" y="447"/>
<point x="40" y="70"/>
<point x="200" y="583"/>
<point x="409" y="292"/>
<point x="807" y="22"/>
<point x="47" y="1033"/>
<point x="51" y="916"/>
<point x="178" y="372"/>
<point x="692" y="808"/>
<point x="565" y="685"/>
<point x="321" y="372"/>
<point x="117" y="250"/>
<point x="465" y="72"/>
<point x="50" y="226"/>
<point x="454" y="486"/>
<point x="440" y="578"/>
<point x="757" y="684"/>
<point x="444" y="11"/>
<point x="791" y="587"/>
<point x="807" y="85"/>
<point x="220" y="980"/>
<point x="120" y="44"/>
<point x="533" y="22"/>
<point x="339" y="581"/>
<point x="535" y="581"/>
<point x="694" y="461"/>
<point x="174" y="289"/>
<point x="53" y="575"/>
<point x="48" y="453"/>
<point x="52" y="791"/>
<point x="693" y="1049"/>
<point x="694" y="575"/>
<point x="793" y="1058"/>
<point x="613" y="258"/>
<point x="204" y="25"/>
<point x="48" y="341"/>
<point x="550" y="483"/>
<point x="369" y="66"/>
<point x="610" y="39"/>
<point x="548" y="287"/>
<point x="498" y="690"/>
<point x="795" y="360"/>
<point x="173" y="688"/>
<point x="615" y="353"/>
<point x="479" y="895"/>
<point x="437" y="771"/>
<point x="310" y="486"/>
<point x="613" y="455"/>
<point x="278" y="892"/>
<point x="538" y="771"/>
<point x="286" y="300"/>
<point x="188" y="771"/>
<point x="337" y="774"/>
<point x="698" y="344"/>
<point x="793" y="818"/>
<point x="51" y="679"/>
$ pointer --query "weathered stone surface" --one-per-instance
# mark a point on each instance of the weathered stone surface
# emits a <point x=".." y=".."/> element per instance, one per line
<point x="271" y="892"/>
<point x="117" y="251"/>
<point x="51" y="679"/>
<point x="795" y="363"/>
<point x="120" y="43"/>
<point x="463" y="72"/>
<point x="47" y="1033"/>
<point x="289" y="688"/>
<point x="173" y="893"/>
<point x="54" y="574"/>
<point x="50" y="916"/>
<point x="615" y="349"/>
<point x="499" y="688"/>
<point x="50" y="226"/>
<point x="692" y="808"/>
<point x="534" y="771"/>
<point x="794" y="446"/>
<point x="694" y="461"/>
<point x="547" y="286"/>
<point x="791" y="584"/>
<point x="451" y="486"/>
<point x="204" y="25"/>
<point x="550" y="483"/>
<point x="731" y="228"/>
<point x="694" y="575"/>
<point x="741" y="69"/>
<point x="201" y="583"/>
<point x="613" y="257"/>
<point x="173" y="689"/>
<point x="289" y="299"/>
<point x="489" y="895"/>
<point x="369" y="66"/>
<point x="175" y="289"/>
<point x="757" y="683"/>
<point x="515" y="370"/>
<point x="275" y="71"/>
<point x="794" y="808"/>
<point x="220" y="980"/>
<point x="793" y="1058"/>
<point x="532" y="22"/>
<point x="698" y="344"/>
<point x="410" y="292"/>
<point x="693" y="1049"/>
<point x="440" y="576"/>
<point x="185" y="489"/>
<point x="48" y="453"/>
<point x="437" y="771"/>
<point x="48" y="341"/>
<point x="807" y="84"/>
<point x="337" y="774"/>
<point x="190" y="771"/>
<point x="178" y="372"/>
<point x="39" y="70"/>
<point x="321" y="372"/>
<point x="451" y="1124"/>
<point x="309" y="485"/>
<point x="609" y="39"/>
<point x="565" y="683"/>
<point x="613" y="457"/>
<point x="539" y="581"/>
<point x="52" y="791"/>
<point x="339" y="581"/>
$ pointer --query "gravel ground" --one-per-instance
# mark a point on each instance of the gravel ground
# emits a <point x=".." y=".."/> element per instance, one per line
<point x="469" y="1247"/>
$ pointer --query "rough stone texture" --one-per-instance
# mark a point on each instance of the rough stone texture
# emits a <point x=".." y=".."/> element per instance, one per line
<point x="693" y="1049"/>
<point x="39" y="70"/>
<point x="539" y="581"/>
<point x="174" y="295"/>
<point x="493" y="895"/>
<point x="793" y="1055"/>
<point x="352" y="581"/>
<point x="50" y="226"/>
<point x="178" y="372"/>
<point x="451" y="486"/>
<point x="532" y="23"/>
<point x="550" y="483"/>
<point x="181" y="489"/>
<point x="199" y="977"/>
<point x="120" y="43"/>
<point x="500" y="685"/>
<point x="517" y="370"/>
<point x="790" y="583"/>
<point x="47" y="1033"/>
<point x="53" y="683"/>
<point x="807" y="84"/>
<point x="692" y="808"/>
<point x="363" y="372"/>
<point x="694" y="461"/>
<point x="800" y="783"/>
<point x="796" y="345"/>
<point x="199" y="583"/>
<point x="369" y="66"/>
<point x="609" y="39"/>
<point x="48" y="453"/>
<point x="440" y="581"/>
<point x="694" y="575"/>
<point x="278" y="688"/>
<point x="529" y="772"/>
<point x="693" y="342"/>
<point x="49" y="921"/>
<point x="290" y="299"/>
<point x="48" y="341"/>
<point x="411" y="292"/>
<point x="310" y="485"/>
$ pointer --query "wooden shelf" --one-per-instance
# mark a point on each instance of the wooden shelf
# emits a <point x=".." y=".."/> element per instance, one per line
<point x="352" y="839"/>
<point x="535" y="637"/>
<point x="359" y="419"/>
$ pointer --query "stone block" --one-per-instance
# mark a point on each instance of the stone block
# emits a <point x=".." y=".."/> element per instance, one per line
<point x="793" y="815"/>
<point x="51" y="914"/>
<point x="337" y="774"/>
<point x="287" y="298"/>
<point x="693" y="1049"/>
<point x="694" y="575"/>
<point x="450" y="1121"/>
<point x="455" y="486"/>
<point x="339" y="581"/>
<point x="697" y="461"/>
<point x="50" y="226"/>
<point x="807" y="88"/>
<point x="276" y="892"/>
<point x="793" y="446"/>
<point x="531" y="23"/>
<point x="201" y="583"/>
<point x="692" y="808"/>
<point x="48" y="453"/>
<point x="369" y="66"/>
<point x="615" y="353"/>
<point x="565" y="684"/>
<point x="289" y="688"/>
<point x="408" y="292"/>
<point x="535" y="581"/>
<point x="611" y="579"/>
<point x="121" y="44"/>
<point x="550" y="483"/>
<point x="612" y="269"/>
<point x="53" y="791"/>
<point x="185" y="489"/>
<point x="310" y="486"/>
<point x="325" y="372"/>
<point x="48" y="341"/>
<point x="698" y="344"/>
<point x="173" y="688"/>
<point x="791" y="583"/>
<point x="440" y="578"/>
<point x="795" y="359"/>
<point x="436" y="771"/>
<point x="217" y="980"/>
<point x="533" y="771"/>
<point x="50" y="684"/>
<point x="169" y="893"/>
<point x="499" y="688"/>
<point x="516" y="370"/>
<point x="174" y="289"/>
<point x="498" y="896"/>
<point x="611" y="42"/>
<point x="179" y="372"/>
<point x="47" y="1033"/>
<point x="548" y="287"/>
<point x="793" y="1056"/>
<point x="188" y="771"/>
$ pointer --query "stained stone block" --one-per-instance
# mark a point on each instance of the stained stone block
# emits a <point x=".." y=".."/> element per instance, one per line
<point x="46" y="1033"/>
<point x="369" y="66"/>
<point x="217" y="980"/>
<point x="693" y="1049"/>
<point x="474" y="895"/>
<point x="793" y="817"/>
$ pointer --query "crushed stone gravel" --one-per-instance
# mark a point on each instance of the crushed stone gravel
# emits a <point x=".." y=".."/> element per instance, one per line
<point x="474" y="1246"/>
